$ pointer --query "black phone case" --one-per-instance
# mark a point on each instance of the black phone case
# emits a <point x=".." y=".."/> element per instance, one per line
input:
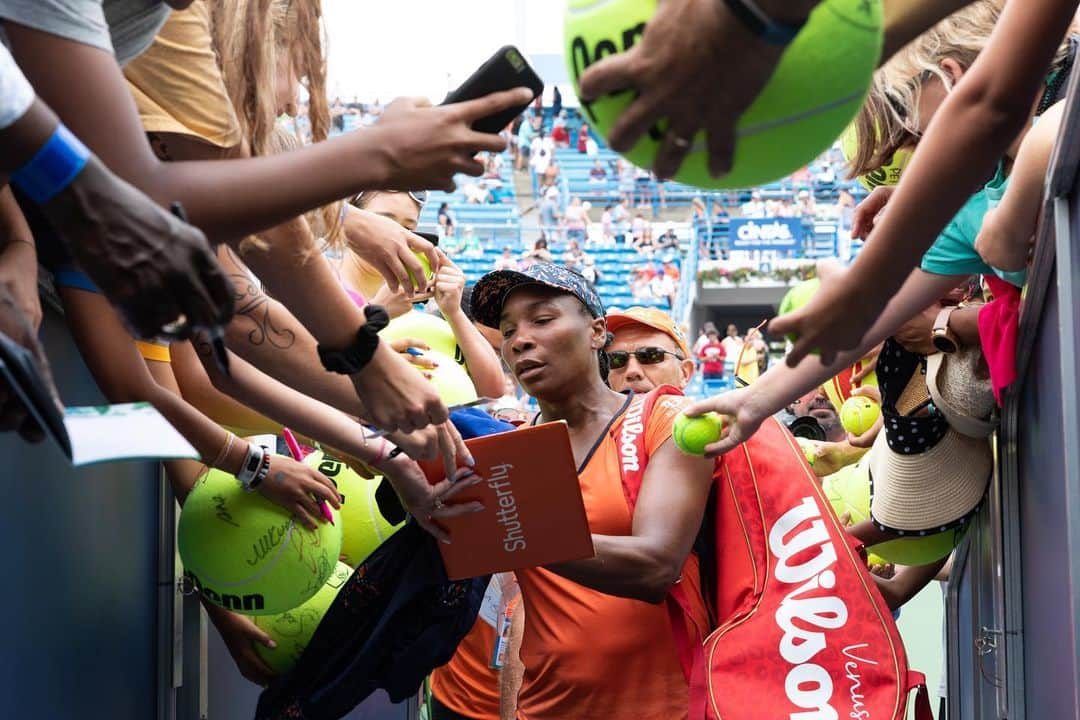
<point x="18" y="368"/>
<point x="506" y="70"/>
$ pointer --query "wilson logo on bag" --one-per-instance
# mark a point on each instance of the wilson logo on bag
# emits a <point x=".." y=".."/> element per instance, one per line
<point x="802" y="633"/>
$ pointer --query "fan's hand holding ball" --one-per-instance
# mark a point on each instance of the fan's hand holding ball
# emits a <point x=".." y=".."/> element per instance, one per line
<point x="858" y="414"/>
<point x="687" y="89"/>
<point x="693" y="434"/>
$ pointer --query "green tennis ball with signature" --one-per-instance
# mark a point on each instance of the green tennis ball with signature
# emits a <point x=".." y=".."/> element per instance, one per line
<point x="363" y="527"/>
<point x="248" y="555"/>
<point x="693" y="434"/>
<point x="291" y="630"/>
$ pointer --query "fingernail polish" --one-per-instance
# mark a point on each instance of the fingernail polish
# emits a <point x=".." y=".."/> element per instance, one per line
<point x="470" y="460"/>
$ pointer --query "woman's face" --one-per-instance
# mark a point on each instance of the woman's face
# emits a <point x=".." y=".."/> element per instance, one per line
<point x="549" y="341"/>
<point x="399" y="207"/>
<point x="286" y="85"/>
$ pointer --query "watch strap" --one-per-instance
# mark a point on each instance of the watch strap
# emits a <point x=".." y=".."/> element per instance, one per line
<point x="761" y="24"/>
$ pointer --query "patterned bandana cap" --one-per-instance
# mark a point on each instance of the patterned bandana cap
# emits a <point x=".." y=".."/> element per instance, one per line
<point x="490" y="293"/>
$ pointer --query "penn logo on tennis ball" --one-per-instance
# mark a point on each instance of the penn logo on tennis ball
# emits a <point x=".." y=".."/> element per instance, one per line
<point x="238" y="603"/>
<point x="583" y="57"/>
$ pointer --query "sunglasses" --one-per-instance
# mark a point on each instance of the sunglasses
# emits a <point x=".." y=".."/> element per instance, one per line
<point x="420" y="197"/>
<point x="618" y="359"/>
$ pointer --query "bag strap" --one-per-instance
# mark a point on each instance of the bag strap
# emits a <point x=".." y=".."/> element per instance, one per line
<point x="688" y="645"/>
<point x="917" y="681"/>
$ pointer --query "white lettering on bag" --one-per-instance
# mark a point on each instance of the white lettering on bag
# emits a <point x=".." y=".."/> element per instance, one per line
<point x="808" y="610"/>
<point x="632" y="427"/>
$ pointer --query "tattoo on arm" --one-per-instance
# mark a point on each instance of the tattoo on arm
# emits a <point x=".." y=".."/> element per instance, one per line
<point x="252" y="303"/>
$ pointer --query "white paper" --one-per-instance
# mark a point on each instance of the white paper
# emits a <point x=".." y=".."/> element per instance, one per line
<point x="132" y="431"/>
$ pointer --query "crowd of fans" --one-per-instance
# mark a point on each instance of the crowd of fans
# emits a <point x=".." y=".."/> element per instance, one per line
<point x="256" y="302"/>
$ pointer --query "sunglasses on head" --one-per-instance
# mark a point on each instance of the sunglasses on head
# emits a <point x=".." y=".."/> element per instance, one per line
<point x="420" y="197"/>
<point x="618" y="359"/>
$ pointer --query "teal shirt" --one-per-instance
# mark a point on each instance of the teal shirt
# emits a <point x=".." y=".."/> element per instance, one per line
<point x="953" y="253"/>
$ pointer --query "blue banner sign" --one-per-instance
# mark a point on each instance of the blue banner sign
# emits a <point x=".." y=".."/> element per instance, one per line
<point x="765" y="234"/>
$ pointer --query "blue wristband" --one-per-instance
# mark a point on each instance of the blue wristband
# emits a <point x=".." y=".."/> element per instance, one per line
<point x="53" y="168"/>
<point x="759" y="23"/>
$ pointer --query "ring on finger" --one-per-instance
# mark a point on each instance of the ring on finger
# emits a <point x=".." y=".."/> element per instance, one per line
<point x="680" y="142"/>
<point x="439" y="504"/>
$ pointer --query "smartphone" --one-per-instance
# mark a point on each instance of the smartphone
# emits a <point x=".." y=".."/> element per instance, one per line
<point x="19" y="369"/>
<point x="506" y="70"/>
<point x="432" y="238"/>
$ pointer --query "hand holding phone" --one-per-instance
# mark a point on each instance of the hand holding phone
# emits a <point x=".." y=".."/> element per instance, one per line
<point x="505" y="70"/>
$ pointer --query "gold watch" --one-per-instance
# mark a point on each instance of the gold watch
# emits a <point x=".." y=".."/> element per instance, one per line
<point x="941" y="336"/>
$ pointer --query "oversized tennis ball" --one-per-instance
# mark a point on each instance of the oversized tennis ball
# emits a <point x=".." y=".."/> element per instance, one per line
<point x="428" y="272"/>
<point x="887" y="174"/>
<point x="435" y="331"/>
<point x="363" y="527"/>
<point x="246" y="554"/>
<point x="450" y="379"/>
<point x="692" y="434"/>
<point x="848" y="491"/>
<point x="814" y="93"/>
<point x="292" y="629"/>
<point x="858" y="414"/>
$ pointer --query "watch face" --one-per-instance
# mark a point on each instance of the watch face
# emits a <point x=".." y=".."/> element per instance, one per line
<point x="944" y="344"/>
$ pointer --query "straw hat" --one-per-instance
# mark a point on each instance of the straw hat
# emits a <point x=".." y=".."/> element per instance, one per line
<point x="926" y="476"/>
<point x="963" y="397"/>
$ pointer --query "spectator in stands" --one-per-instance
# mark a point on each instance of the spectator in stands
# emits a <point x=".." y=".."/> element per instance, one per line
<point x="668" y="240"/>
<point x="647" y="350"/>
<point x="470" y="243"/>
<point x="597" y="173"/>
<point x="712" y="355"/>
<point x="755" y="208"/>
<point x="556" y="102"/>
<point x="784" y="208"/>
<point x="641" y="285"/>
<point x="641" y="234"/>
<point x="506" y="261"/>
<point x="574" y="257"/>
<point x="719" y="212"/>
<point x="526" y="133"/>
<point x="732" y="342"/>
<point x="746" y="361"/>
<point x="592" y="149"/>
<point x="445" y="221"/>
<point x="607" y="226"/>
<point x="540" y="159"/>
<point x="576" y="220"/>
<point x="643" y="184"/>
<point x="671" y="268"/>
<point x="663" y="287"/>
<point x="583" y="138"/>
<point x="560" y="134"/>
<point x="590" y="272"/>
<point x="493" y="166"/>
<point x="807" y="207"/>
<point x="477" y="193"/>
<point x="550" y="215"/>
<point x="703" y="337"/>
<point x="551" y="174"/>
<point x="539" y="253"/>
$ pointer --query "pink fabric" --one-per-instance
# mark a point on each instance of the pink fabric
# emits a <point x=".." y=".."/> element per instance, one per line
<point x="999" y="324"/>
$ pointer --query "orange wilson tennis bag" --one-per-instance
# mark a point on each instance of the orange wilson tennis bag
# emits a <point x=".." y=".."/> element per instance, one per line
<point x="801" y="632"/>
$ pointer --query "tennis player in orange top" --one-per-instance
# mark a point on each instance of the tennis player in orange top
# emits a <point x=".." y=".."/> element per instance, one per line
<point x="596" y="643"/>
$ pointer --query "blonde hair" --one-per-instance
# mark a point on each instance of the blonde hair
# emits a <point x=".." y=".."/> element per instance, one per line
<point x="888" y="120"/>
<point x="250" y="37"/>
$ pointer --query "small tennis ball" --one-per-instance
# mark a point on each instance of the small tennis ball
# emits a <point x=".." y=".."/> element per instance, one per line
<point x="887" y="174"/>
<point x="363" y="527"/>
<point x="813" y="94"/>
<point x="428" y="273"/>
<point x="920" y="550"/>
<point x="858" y="414"/>
<point x="873" y="559"/>
<point x="433" y="330"/>
<point x="796" y="297"/>
<point x="246" y="554"/>
<point x="691" y="435"/>
<point x="292" y="629"/>
<point x="809" y="448"/>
